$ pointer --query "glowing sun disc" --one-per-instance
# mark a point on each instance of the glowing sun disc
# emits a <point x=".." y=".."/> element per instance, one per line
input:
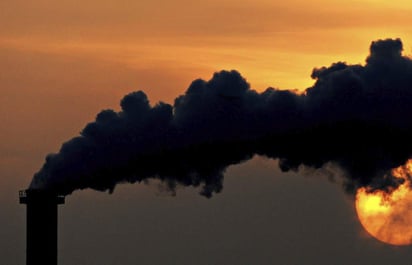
<point x="388" y="216"/>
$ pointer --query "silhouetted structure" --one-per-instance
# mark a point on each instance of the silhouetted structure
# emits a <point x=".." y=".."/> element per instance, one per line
<point x="41" y="242"/>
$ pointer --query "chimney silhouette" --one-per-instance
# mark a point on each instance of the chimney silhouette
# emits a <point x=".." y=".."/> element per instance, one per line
<point x="41" y="223"/>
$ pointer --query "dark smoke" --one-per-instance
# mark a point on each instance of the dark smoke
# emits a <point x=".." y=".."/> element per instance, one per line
<point x="356" y="117"/>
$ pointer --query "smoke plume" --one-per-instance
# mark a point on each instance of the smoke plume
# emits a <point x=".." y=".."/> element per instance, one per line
<point x="358" y="117"/>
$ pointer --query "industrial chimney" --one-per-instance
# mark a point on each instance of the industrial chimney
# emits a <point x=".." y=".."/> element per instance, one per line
<point x="41" y="242"/>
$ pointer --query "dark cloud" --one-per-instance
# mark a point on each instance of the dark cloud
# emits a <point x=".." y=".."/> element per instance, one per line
<point x="356" y="117"/>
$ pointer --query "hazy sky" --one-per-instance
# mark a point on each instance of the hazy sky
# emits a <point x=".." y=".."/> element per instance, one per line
<point x="61" y="62"/>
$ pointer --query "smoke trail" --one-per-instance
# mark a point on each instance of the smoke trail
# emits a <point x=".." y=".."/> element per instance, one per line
<point x="357" y="117"/>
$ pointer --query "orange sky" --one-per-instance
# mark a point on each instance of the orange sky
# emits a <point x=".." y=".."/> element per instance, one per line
<point x="63" y="61"/>
<point x="272" y="44"/>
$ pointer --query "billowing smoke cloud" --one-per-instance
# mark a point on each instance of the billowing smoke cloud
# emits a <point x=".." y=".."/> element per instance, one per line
<point x="356" y="117"/>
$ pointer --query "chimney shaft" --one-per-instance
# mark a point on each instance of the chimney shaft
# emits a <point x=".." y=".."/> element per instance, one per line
<point x="41" y="241"/>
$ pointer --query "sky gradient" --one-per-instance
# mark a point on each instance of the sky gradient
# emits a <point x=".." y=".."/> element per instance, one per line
<point x="62" y="62"/>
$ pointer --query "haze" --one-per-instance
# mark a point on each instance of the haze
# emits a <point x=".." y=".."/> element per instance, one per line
<point x="62" y="62"/>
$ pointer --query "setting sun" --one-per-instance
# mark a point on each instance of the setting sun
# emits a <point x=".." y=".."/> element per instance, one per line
<point x="387" y="216"/>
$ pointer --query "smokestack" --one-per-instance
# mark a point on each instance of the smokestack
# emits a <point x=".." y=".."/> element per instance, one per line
<point x="41" y="242"/>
